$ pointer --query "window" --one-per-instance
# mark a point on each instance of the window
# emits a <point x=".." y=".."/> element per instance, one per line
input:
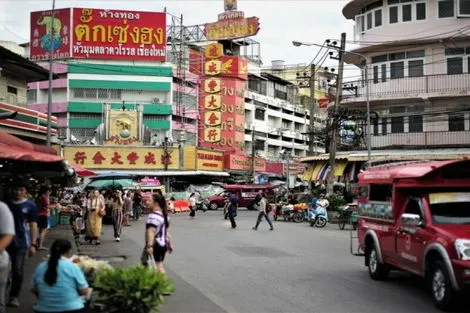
<point x="378" y="18"/>
<point x="414" y="207"/>
<point x="398" y="124"/>
<point x="397" y="70"/>
<point x="12" y="90"/>
<point x="259" y="114"/>
<point x="420" y="11"/>
<point x="376" y="74"/>
<point x="393" y="15"/>
<point x="415" y="124"/>
<point x="90" y="93"/>
<point x="375" y="122"/>
<point x="454" y="66"/>
<point x="369" y="20"/>
<point x="102" y="93"/>
<point x="32" y="95"/>
<point x="463" y="7"/>
<point x="79" y="93"/>
<point x="406" y="13"/>
<point x="384" y="126"/>
<point x="382" y="192"/>
<point x="456" y="122"/>
<point x="384" y="73"/>
<point x="415" y="68"/>
<point x="446" y="8"/>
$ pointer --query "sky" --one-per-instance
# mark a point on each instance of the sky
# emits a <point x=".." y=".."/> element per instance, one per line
<point x="281" y="21"/>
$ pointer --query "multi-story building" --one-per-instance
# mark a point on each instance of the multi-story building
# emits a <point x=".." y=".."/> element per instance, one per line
<point x="418" y="57"/>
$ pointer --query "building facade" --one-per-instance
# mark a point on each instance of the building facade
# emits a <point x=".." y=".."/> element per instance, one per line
<point x="85" y="87"/>
<point x="418" y="58"/>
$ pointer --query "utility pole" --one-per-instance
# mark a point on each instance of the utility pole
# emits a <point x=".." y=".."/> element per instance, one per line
<point x="49" y="92"/>
<point x="312" y="147"/>
<point x="253" y="155"/>
<point x="334" y="119"/>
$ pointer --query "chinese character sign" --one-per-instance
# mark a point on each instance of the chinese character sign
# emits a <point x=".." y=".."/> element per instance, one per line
<point x="117" y="34"/>
<point x="122" y="127"/>
<point x="122" y="158"/>
<point x="222" y="102"/>
<point x="50" y="32"/>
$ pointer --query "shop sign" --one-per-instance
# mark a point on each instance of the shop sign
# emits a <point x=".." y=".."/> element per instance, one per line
<point x="122" y="127"/>
<point x="130" y="158"/>
<point x="50" y="32"/>
<point x="99" y="34"/>
<point x="117" y="34"/>
<point x="244" y="163"/>
<point x="232" y="26"/>
<point x="209" y="160"/>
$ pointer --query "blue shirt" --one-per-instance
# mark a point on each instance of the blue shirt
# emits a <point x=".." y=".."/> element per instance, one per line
<point x="64" y="295"/>
<point x="24" y="212"/>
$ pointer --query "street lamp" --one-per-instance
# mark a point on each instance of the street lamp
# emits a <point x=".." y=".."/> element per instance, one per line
<point x="366" y="74"/>
<point x="286" y="154"/>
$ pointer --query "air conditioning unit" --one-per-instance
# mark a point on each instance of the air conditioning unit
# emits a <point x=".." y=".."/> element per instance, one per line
<point x="156" y="100"/>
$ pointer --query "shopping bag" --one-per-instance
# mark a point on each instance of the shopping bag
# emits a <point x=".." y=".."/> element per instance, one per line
<point x="151" y="262"/>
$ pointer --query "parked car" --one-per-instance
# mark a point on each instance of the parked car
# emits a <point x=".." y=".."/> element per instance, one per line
<point x="246" y="195"/>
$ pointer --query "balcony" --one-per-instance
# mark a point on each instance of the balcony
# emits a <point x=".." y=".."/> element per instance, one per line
<point x="428" y="86"/>
<point x="424" y="140"/>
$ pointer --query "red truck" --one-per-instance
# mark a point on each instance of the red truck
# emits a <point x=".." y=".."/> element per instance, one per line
<point x="415" y="217"/>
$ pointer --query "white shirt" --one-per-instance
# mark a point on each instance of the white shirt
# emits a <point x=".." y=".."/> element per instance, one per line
<point x="156" y="219"/>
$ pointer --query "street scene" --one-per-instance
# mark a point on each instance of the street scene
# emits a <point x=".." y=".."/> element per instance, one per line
<point x="234" y="156"/>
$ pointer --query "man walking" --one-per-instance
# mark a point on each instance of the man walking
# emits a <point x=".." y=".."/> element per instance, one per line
<point x="25" y="217"/>
<point x="263" y="212"/>
<point x="7" y="231"/>
<point x="232" y="209"/>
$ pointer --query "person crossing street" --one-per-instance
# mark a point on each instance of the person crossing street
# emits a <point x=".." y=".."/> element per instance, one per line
<point x="263" y="212"/>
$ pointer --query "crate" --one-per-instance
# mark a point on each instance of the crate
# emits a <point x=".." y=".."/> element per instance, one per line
<point x="64" y="219"/>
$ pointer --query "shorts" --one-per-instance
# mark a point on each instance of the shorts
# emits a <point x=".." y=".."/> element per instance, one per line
<point x="43" y="222"/>
<point x="159" y="252"/>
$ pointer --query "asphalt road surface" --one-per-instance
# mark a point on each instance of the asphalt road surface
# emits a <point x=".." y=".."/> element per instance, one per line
<point x="294" y="268"/>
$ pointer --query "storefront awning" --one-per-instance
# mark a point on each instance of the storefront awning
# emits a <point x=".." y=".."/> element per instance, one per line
<point x="340" y="166"/>
<point x="308" y="174"/>
<point x="21" y="154"/>
<point x="317" y="169"/>
<point x="82" y="171"/>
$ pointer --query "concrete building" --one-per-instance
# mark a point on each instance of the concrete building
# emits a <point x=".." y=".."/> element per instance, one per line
<point x="418" y="56"/>
<point x="85" y="86"/>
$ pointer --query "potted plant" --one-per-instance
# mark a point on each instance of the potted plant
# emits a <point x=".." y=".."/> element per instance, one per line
<point x="131" y="289"/>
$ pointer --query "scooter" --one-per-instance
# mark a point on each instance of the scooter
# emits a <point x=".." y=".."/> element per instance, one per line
<point x="202" y="204"/>
<point x="318" y="217"/>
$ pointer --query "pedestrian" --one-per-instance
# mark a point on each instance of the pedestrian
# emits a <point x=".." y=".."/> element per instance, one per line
<point x="25" y="216"/>
<point x="117" y="214"/>
<point x="127" y="208"/>
<point x="157" y="234"/>
<point x="42" y="204"/>
<point x="263" y="212"/>
<point x="96" y="211"/>
<point x="7" y="231"/>
<point x="192" y="205"/>
<point x="232" y="209"/>
<point x="137" y="206"/>
<point x="58" y="283"/>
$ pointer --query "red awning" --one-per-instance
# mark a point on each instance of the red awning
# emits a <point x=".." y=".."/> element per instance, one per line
<point x="10" y="140"/>
<point x="20" y="154"/>
<point x="82" y="171"/>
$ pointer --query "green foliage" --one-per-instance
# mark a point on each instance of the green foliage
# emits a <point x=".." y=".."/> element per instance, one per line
<point x="336" y="201"/>
<point x="132" y="289"/>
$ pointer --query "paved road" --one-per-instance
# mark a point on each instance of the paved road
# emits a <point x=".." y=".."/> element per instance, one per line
<point x="295" y="268"/>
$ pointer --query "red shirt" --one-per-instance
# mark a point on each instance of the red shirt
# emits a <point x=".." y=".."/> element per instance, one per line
<point x="43" y="205"/>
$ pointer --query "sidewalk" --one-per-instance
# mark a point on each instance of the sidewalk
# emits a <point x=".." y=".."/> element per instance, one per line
<point x="27" y="299"/>
<point x="187" y="299"/>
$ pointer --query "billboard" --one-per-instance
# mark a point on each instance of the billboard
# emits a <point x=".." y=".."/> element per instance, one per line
<point x="50" y="31"/>
<point x="117" y="34"/>
<point x="99" y="34"/>
<point x="222" y="101"/>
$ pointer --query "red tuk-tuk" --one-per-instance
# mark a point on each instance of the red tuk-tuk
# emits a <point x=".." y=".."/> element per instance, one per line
<point x="415" y="217"/>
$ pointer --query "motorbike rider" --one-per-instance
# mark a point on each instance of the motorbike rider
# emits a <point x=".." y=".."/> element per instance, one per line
<point x="321" y="205"/>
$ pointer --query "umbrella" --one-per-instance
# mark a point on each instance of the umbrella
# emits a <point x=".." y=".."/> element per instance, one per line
<point x="82" y="171"/>
<point x="112" y="175"/>
<point x="112" y="183"/>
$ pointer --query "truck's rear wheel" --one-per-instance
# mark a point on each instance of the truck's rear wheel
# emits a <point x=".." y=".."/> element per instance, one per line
<point x="442" y="292"/>
<point x="377" y="270"/>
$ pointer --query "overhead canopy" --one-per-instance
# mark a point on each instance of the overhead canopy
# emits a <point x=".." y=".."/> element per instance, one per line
<point x="21" y="154"/>
<point x="10" y="140"/>
<point x="14" y="64"/>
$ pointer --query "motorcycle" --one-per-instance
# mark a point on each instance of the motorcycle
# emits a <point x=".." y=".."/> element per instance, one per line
<point x="318" y="217"/>
<point x="202" y="204"/>
<point x="347" y="215"/>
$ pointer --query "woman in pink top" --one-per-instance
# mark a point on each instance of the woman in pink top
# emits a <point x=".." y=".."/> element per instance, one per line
<point x="42" y="204"/>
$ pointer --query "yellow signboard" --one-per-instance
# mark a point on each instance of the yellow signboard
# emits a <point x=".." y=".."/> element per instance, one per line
<point x="214" y="51"/>
<point x="123" y="127"/>
<point x="213" y="67"/>
<point x="212" y="134"/>
<point x="212" y="85"/>
<point x="212" y="102"/>
<point x="212" y="118"/>
<point x="131" y="158"/>
<point x="189" y="161"/>
<point x="209" y="160"/>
